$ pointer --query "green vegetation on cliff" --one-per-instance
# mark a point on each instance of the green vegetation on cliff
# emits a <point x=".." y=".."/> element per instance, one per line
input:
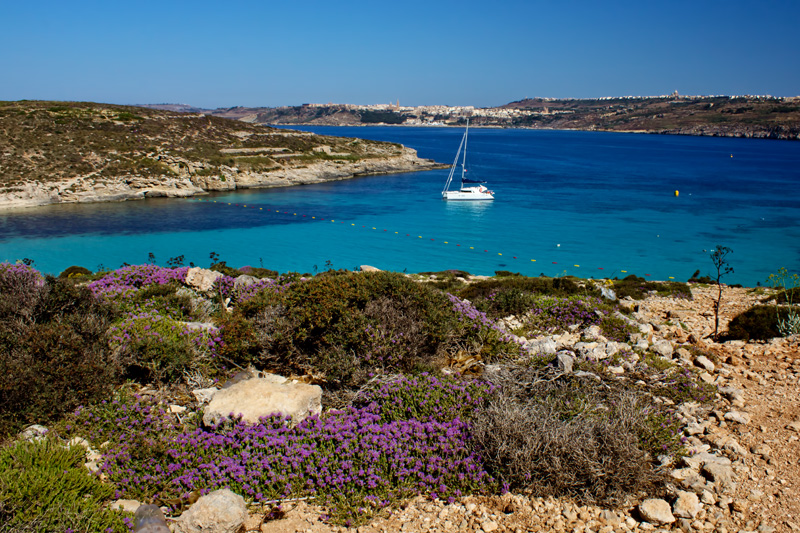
<point x="45" y="142"/>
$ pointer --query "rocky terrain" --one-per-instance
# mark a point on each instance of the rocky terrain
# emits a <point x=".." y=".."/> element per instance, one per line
<point x="63" y="152"/>
<point x="740" y="474"/>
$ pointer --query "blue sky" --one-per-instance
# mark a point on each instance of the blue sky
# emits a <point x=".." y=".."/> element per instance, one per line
<point x="267" y="53"/>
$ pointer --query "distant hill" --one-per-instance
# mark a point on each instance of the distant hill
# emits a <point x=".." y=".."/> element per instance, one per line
<point x="741" y="116"/>
<point x="54" y="152"/>
<point x="732" y="116"/>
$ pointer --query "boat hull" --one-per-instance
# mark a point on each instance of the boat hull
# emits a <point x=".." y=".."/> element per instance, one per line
<point x="469" y="196"/>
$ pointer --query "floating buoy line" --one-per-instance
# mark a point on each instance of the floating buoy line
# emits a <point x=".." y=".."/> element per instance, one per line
<point x="331" y="220"/>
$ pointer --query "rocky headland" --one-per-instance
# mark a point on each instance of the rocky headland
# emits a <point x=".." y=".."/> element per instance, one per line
<point x="66" y="152"/>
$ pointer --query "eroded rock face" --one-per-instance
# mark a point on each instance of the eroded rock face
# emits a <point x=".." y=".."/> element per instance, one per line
<point x="259" y="397"/>
<point x="221" y="511"/>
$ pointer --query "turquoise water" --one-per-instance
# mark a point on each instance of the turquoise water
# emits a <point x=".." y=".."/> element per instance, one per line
<point x="588" y="204"/>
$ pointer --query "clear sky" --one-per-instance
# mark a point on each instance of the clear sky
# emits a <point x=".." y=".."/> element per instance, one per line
<point x="482" y="53"/>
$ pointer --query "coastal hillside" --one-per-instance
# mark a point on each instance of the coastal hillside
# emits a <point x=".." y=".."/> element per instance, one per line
<point x="728" y="116"/>
<point x="82" y="152"/>
<point x="718" y="116"/>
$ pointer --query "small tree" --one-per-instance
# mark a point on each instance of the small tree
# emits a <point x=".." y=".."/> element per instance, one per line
<point x="719" y="258"/>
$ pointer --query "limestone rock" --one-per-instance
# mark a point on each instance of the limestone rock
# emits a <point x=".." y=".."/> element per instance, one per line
<point x="663" y="348"/>
<point x="565" y="360"/>
<point x="705" y="363"/>
<point x="687" y="505"/>
<point x="245" y="281"/>
<point x="204" y="395"/>
<point x="543" y="346"/>
<point x="593" y="332"/>
<point x="259" y="397"/>
<point x="130" y="506"/>
<point x="721" y="475"/>
<point x="33" y="433"/>
<point x="732" y="393"/>
<point x="656" y="511"/>
<point x="221" y="511"/>
<point x="367" y="268"/>
<point x="738" y="417"/>
<point x="201" y="278"/>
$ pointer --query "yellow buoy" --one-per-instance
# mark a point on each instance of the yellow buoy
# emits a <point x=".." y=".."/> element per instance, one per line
<point x="677" y="193"/>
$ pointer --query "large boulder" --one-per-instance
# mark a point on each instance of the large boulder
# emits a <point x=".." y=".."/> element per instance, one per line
<point x="202" y="279"/>
<point x="259" y="397"/>
<point x="221" y="511"/>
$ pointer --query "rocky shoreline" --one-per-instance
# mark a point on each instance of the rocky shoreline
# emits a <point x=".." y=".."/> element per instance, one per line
<point x="188" y="179"/>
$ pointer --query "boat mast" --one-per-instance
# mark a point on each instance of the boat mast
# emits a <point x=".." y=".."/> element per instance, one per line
<point x="455" y="163"/>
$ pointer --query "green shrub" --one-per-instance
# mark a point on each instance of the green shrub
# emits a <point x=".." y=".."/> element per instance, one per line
<point x="57" y="360"/>
<point x="74" y="272"/>
<point x="616" y="329"/>
<point x="639" y="288"/>
<point x="757" y="323"/>
<point x="348" y="325"/>
<point x="548" y="286"/>
<point x="45" y="487"/>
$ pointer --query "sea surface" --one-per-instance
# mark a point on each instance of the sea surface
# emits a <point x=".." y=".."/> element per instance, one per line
<point x="589" y="204"/>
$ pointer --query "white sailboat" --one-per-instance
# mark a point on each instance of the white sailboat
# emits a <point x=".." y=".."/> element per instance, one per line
<point x="470" y="189"/>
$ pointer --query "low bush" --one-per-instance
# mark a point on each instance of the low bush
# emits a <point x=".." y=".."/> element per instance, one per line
<point x="757" y="323"/>
<point x="563" y="435"/>
<point x="638" y="288"/>
<point x="21" y="288"/>
<point x="548" y="286"/>
<point x="55" y="360"/>
<point x="45" y="487"/>
<point x="152" y="346"/>
<point x="75" y="272"/>
<point x="350" y="325"/>
<point x="555" y="315"/>
<point x="616" y="329"/>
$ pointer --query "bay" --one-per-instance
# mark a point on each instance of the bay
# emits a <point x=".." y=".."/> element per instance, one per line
<point x="589" y="204"/>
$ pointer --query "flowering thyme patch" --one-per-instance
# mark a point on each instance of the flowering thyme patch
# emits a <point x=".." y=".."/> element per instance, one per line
<point x="496" y="342"/>
<point x="355" y="460"/>
<point x="131" y="278"/>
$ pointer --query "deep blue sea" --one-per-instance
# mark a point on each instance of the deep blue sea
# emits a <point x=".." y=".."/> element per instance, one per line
<point x="589" y="204"/>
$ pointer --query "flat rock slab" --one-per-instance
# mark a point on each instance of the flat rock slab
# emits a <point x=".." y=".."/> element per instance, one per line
<point x="259" y="397"/>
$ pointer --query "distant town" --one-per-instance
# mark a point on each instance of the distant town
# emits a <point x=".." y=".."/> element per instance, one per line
<point x="754" y="116"/>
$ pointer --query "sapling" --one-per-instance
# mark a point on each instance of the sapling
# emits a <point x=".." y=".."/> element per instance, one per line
<point x="719" y="258"/>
